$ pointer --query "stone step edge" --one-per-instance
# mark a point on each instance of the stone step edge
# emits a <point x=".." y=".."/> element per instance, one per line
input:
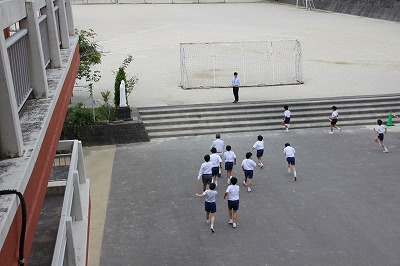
<point x="263" y="121"/>
<point x="259" y="115"/>
<point x="185" y="133"/>
<point x="329" y="100"/>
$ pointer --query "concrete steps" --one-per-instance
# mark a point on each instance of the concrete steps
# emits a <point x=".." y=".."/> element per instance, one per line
<point x="190" y="120"/>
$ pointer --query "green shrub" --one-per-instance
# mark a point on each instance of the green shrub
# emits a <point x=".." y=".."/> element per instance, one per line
<point x="77" y="116"/>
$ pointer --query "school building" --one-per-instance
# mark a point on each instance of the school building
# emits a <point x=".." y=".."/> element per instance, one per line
<point x="39" y="60"/>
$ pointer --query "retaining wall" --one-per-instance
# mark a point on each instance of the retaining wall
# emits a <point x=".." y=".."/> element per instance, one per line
<point x="379" y="9"/>
<point x="111" y="133"/>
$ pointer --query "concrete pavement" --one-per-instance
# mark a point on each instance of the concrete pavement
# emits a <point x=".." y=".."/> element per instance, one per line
<point x="342" y="211"/>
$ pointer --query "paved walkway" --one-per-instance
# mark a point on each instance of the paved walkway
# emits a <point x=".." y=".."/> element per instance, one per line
<point x="342" y="211"/>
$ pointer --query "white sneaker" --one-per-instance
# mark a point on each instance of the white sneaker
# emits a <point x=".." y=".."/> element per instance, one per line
<point x="230" y="221"/>
<point x="385" y="150"/>
<point x="208" y="221"/>
<point x="330" y="132"/>
<point x="229" y="181"/>
<point x="261" y="165"/>
<point x="248" y="189"/>
<point x="234" y="225"/>
<point x="216" y="183"/>
<point x="244" y="183"/>
<point x="288" y="170"/>
<point x="212" y="229"/>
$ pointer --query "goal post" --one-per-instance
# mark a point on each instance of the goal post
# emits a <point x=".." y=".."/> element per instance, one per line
<point x="259" y="63"/>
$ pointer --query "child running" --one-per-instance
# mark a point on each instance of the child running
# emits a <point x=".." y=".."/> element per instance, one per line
<point x="333" y="118"/>
<point x="286" y="119"/>
<point x="259" y="146"/>
<point x="205" y="172"/>
<point x="248" y="167"/>
<point x="209" y="205"/>
<point x="232" y="192"/>
<point x="230" y="161"/>
<point x="216" y="165"/>
<point x="381" y="131"/>
<point x="289" y="152"/>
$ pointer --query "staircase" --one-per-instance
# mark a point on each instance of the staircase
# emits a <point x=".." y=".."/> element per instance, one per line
<point x="202" y="119"/>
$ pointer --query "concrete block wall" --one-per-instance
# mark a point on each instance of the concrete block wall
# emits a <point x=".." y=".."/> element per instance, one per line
<point x="109" y="134"/>
<point x="378" y="9"/>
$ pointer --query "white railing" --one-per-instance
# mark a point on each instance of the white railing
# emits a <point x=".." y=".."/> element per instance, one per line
<point x="18" y="54"/>
<point x="71" y="244"/>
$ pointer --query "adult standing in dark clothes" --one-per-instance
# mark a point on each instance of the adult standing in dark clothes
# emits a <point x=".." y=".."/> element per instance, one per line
<point x="235" y="85"/>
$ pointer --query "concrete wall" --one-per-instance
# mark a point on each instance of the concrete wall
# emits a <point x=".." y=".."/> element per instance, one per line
<point x="379" y="9"/>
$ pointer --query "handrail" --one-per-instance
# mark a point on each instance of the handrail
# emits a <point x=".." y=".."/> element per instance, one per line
<point x="72" y="207"/>
<point x="15" y="37"/>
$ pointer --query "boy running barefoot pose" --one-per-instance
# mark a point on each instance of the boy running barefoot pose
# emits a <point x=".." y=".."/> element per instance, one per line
<point x="381" y="131"/>
<point x="210" y="205"/>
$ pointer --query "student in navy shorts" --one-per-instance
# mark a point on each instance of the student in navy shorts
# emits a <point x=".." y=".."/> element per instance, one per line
<point x="209" y="205"/>
<point x="259" y="146"/>
<point x="233" y="201"/>
<point x="290" y="152"/>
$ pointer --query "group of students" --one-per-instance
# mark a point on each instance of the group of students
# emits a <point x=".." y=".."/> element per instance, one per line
<point x="210" y="170"/>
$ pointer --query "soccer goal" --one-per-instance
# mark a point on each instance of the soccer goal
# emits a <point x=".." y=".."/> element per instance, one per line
<point x="259" y="63"/>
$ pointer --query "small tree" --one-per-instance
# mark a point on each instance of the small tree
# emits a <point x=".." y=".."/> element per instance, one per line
<point x="89" y="55"/>
<point x="130" y="82"/>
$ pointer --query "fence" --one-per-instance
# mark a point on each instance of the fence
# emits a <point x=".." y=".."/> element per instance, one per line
<point x="73" y="218"/>
<point x="17" y="49"/>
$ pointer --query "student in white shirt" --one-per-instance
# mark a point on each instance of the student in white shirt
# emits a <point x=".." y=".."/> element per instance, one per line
<point x="218" y="143"/>
<point x="205" y="172"/>
<point x="209" y="205"/>
<point x="286" y="119"/>
<point x="230" y="161"/>
<point x="216" y="161"/>
<point x="232" y="192"/>
<point x="248" y="168"/>
<point x="380" y="130"/>
<point x="290" y="152"/>
<point x="259" y="146"/>
<point x="235" y="86"/>
<point x="333" y="118"/>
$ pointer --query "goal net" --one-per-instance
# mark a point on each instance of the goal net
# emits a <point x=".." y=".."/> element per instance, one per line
<point x="259" y="63"/>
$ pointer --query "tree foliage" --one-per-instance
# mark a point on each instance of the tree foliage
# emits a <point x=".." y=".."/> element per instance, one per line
<point x="90" y="55"/>
<point x="130" y="82"/>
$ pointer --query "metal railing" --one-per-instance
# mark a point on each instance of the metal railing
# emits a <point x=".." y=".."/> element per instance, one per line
<point x="45" y="39"/>
<point x="65" y="251"/>
<point x="17" y="48"/>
